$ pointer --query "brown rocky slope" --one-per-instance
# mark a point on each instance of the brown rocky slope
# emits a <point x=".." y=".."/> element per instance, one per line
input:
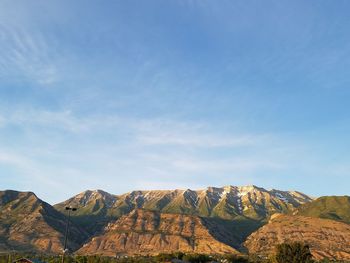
<point x="29" y="224"/>
<point x="149" y="232"/>
<point x="327" y="238"/>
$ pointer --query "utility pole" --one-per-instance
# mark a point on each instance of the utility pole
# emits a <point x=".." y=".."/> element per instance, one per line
<point x="69" y="209"/>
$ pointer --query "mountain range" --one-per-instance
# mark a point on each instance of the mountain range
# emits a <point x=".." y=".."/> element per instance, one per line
<point x="223" y="220"/>
<point x="229" y="203"/>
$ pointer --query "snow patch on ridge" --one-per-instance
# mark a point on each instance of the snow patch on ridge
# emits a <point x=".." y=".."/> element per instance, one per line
<point x="281" y="197"/>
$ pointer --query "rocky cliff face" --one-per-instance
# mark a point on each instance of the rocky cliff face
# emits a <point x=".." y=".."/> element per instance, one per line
<point x="149" y="232"/>
<point x="29" y="224"/>
<point x="327" y="238"/>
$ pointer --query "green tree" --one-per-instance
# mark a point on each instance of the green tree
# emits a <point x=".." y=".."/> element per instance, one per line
<point x="295" y="252"/>
<point x="196" y="258"/>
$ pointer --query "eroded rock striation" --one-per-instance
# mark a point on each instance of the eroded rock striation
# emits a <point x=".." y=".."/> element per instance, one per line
<point x="150" y="232"/>
<point x="29" y="224"/>
<point x="326" y="238"/>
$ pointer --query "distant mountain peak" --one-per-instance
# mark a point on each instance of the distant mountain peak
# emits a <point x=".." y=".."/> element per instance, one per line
<point x="95" y="192"/>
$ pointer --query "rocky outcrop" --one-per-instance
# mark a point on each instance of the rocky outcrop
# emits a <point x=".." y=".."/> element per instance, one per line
<point x="326" y="238"/>
<point x="29" y="224"/>
<point x="149" y="232"/>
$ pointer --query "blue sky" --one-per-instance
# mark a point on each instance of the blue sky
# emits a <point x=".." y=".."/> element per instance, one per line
<point x="125" y="95"/>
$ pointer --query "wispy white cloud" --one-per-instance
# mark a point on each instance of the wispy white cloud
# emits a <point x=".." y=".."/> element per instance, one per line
<point x="163" y="152"/>
<point x="146" y="131"/>
<point x="59" y="120"/>
<point x="155" y="148"/>
<point x="27" y="55"/>
<point x="29" y="169"/>
<point x="199" y="140"/>
<point x="14" y="159"/>
<point x="231" y="165"/>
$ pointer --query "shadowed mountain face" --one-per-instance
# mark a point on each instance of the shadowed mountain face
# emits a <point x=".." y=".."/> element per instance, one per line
<point x="327" y="238"/>
<point x="330" y="207"/>
<point x="29" y="224"/>
<point x="94" y="209"/>
<point x="149" y="232"/>
<point x="97" y="208"/>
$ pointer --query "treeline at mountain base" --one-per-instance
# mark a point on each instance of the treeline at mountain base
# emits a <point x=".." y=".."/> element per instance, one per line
<point x="295" y="252"/>
<point x="191" y="258"/>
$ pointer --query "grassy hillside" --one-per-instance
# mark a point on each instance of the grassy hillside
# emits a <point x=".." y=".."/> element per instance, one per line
<point x="330" y="207"/>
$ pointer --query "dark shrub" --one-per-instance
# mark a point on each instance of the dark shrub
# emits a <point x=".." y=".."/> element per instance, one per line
<point x="295" y="252"/>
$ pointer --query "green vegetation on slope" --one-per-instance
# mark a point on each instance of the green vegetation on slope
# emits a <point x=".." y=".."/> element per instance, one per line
<point x="293" y="252"/>
<point x="329" y="207"/>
